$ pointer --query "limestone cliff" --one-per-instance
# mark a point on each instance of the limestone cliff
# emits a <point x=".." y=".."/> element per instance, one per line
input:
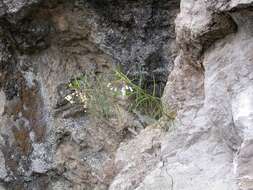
<point x="198" y="51"/>
<point x="210" y="87"/>
<point x="46" y="143"/>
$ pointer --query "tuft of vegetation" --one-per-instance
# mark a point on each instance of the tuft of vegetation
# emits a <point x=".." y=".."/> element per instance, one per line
<point x="91" y="91"/>
<point x="103" y="95"/>
<point x="140" y="99"/>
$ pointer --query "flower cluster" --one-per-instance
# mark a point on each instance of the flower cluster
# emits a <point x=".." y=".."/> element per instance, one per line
<point x="102" y="95"/>
<point x="123" y="89"/>
<point x="77" y="96"/>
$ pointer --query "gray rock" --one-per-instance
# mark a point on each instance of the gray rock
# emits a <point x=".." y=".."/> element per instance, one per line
<point x="139" y="35"/>
<point x="210" y="88"/>
<point x="46" y="143"/>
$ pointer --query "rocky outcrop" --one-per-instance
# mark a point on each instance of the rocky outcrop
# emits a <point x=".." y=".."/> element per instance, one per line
<point x="210" y="88"/>
<point x="139" y="35"/>
<point x="46" y="143"/>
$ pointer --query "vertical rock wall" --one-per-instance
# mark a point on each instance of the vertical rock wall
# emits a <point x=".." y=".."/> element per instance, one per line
<point x="46" y="143"/>
<point x="210" y="87"/>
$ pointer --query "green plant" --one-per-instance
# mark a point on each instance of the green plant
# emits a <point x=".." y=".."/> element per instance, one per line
<point x="91" y="91"/>
<point x="102" y="95"/>
<point x="140" y="99"/>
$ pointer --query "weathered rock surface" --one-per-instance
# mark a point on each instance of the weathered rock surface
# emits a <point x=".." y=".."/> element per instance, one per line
<point x="46" y="143"/>
<point x="139" y="35"/>
<point x="211" y="89"/>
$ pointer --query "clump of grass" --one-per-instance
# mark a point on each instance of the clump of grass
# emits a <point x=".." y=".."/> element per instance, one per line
<point x="102" y="95"/>
<point x="140" y="99"/>
<point x="91" y="91"/>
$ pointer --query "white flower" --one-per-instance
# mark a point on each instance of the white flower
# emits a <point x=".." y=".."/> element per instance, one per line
<point x="123" y="91"/>
<point x="130" y="88"/>
<point x="69" y="98"/>
<point x="108" y="85"/>
<point x="82" y="97"/>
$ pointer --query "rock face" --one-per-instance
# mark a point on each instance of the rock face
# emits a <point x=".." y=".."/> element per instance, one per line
<point x="139" y="35"/>
<point x="210" y="87"/>
<point x="46" y="143"/>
